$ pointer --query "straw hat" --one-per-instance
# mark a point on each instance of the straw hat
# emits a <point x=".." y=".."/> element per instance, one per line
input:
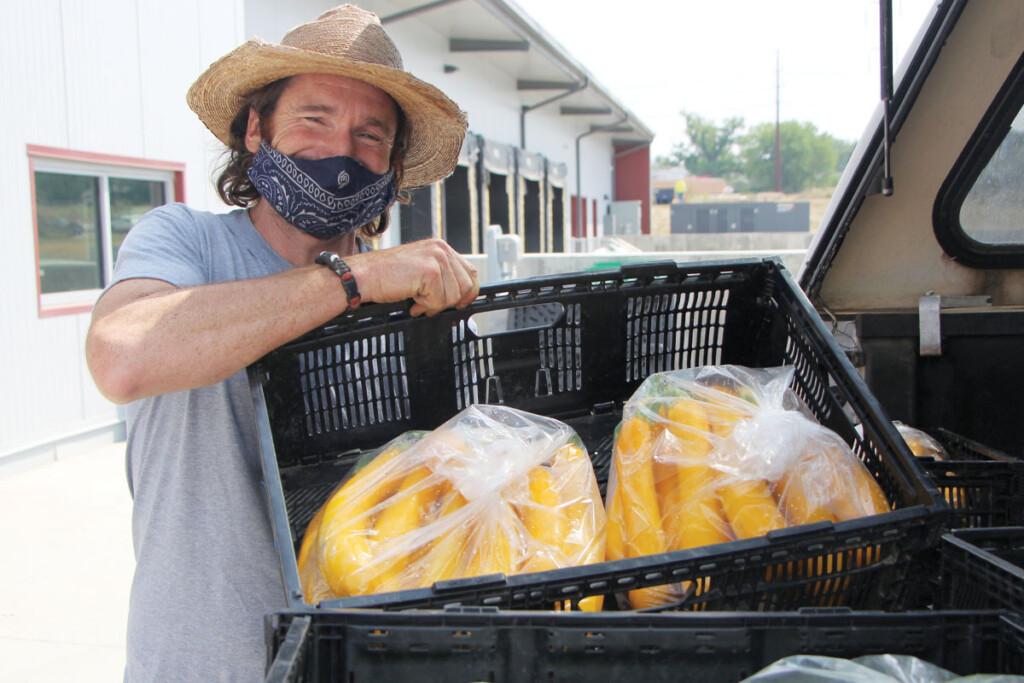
<point x="347" y="41"/>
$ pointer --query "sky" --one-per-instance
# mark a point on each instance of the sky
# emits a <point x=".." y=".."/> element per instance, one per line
<point x="726" y="58"/>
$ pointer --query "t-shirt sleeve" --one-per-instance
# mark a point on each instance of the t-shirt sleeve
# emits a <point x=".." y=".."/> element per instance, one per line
<point x="166" y="244"/>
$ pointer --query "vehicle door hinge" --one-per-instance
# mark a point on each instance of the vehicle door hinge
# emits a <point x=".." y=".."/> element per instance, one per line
<point x="929" y="315"/>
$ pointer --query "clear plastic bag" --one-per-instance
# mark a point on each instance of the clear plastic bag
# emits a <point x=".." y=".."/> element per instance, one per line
<point x="492" y="490"/>
<point x="713" y="454"/>
<point x="867" y="669"/>
<point x="921" y="443"/>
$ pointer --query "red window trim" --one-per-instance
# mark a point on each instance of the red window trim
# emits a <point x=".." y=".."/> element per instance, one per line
<point x="40" y="151"/>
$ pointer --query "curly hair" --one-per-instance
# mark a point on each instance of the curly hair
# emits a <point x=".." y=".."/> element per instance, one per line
<point x="233" y="183"/>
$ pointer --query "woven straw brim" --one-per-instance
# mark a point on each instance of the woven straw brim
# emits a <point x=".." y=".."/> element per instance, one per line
<point x="436" y="124"/>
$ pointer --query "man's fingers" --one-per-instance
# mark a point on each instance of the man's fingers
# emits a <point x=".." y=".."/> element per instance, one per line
<point x="433" y="274"/>
<point x="454" y="283"/>
<point x="467" y="283"/>
<point x="471" y="289"/>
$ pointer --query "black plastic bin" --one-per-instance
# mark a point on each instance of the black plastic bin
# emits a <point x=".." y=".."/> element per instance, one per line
<point x="368" y="376"/>
<point x="508" y="647"/>
<point x="984" y="569"/>
<point x="984" y="486"/>
<point x="970" y="389"/>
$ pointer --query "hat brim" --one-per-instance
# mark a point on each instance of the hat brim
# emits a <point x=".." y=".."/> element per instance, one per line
<point x="436" y="124"/>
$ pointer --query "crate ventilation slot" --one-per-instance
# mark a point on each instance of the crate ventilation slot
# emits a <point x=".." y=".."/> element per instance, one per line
<point x="358" y="383"/>
<point x="674" y="331"/>
<point x="554" y="367"/>
<point x="808" y="381"/>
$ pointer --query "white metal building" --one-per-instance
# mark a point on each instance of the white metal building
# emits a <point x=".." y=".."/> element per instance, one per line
<point x="96" y="130"/>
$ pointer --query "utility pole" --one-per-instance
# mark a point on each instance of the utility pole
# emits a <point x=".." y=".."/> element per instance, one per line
<point x="778" y="159"/>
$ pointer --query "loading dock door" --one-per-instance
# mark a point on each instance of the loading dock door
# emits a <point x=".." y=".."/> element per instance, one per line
<point x="529" y="175"/>
<point x="417" y="217"/>
<point x="531" y="216"/>
<point x="499" y="207"/>
<point x="554" y="200"/>
<point x="461" y="229"/>
<point x="458" y="224"/>
<point x="557" y="220"/>
<point x="497" y="195"/>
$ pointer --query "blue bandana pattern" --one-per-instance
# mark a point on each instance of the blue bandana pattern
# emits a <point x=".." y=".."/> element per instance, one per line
<point x="324" y="198"/>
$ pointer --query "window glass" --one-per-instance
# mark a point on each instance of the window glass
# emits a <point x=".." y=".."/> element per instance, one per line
<point x="84" y="209"/>
<point x="129" y="200"/>
<point x="68" y="225"/>
<point x="993" y="210"/>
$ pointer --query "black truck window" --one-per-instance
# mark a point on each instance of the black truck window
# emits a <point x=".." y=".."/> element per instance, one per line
<point x="979" y="212"/>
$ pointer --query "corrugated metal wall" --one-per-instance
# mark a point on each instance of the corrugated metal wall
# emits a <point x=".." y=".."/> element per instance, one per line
<point x="99" y="77"/>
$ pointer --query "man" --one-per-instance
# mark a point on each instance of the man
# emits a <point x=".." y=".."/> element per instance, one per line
<point x="324" y="130"/>
<point x="680" y="191"/>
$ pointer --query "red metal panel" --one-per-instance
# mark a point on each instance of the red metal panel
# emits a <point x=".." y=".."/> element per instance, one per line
<point x="580" y="227"/>
<point x="633" y="180"/>
<point x="574" y="224"/>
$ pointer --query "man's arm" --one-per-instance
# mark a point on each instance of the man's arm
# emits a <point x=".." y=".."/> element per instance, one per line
<point x="149" y="337"/>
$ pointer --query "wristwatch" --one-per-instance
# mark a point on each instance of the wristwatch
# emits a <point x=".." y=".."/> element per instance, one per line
<point x="348" y="280"/>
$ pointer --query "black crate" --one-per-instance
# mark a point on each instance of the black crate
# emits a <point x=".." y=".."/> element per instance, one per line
<point x="578" y="347"/>
<point x="970" y="388"/>
<point x="983" y="569"/>
<point x="507" y="647"/>
<point x="984" y="486"/>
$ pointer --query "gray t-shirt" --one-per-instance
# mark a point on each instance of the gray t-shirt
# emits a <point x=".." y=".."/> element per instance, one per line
<point x="207" y="570"/>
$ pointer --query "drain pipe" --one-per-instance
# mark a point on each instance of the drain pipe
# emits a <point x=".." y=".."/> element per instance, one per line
<point x="526" y="109"/>
<point x="579" y="198"/>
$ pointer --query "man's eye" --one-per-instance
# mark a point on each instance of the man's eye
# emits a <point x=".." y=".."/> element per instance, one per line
<point x="370" y="137"/>
<point x="314" y="119"/>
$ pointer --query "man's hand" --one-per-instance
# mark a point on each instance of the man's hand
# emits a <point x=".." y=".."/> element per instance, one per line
<point x="429" y="272"/>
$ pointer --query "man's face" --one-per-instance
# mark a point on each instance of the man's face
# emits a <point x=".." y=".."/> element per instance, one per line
<point x="320" y="116"/>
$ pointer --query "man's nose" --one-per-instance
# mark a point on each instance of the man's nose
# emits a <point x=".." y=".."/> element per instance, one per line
<point x="338" y="143"/>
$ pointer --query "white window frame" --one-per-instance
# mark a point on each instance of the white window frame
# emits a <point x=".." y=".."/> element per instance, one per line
<point x="101" y="167"/>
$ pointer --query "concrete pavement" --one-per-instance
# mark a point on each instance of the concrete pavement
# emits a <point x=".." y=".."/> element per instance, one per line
<point x="65" y="569"/>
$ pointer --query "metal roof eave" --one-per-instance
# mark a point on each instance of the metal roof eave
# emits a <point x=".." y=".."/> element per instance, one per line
<point x="514" y="17"/>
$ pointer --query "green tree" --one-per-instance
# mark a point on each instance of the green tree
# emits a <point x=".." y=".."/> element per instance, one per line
<point x="809" y="158"/>
<point x="844" y="150"/>
<point x="710" y="149"/>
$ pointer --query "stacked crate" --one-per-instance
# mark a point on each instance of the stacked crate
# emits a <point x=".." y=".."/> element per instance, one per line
<point x="576" y="347"/>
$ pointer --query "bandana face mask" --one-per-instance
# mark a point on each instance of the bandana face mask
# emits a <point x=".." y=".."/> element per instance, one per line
<point x="324" y="198"/>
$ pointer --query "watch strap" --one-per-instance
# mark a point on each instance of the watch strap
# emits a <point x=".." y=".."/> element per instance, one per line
<point x="341" y="269"/>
